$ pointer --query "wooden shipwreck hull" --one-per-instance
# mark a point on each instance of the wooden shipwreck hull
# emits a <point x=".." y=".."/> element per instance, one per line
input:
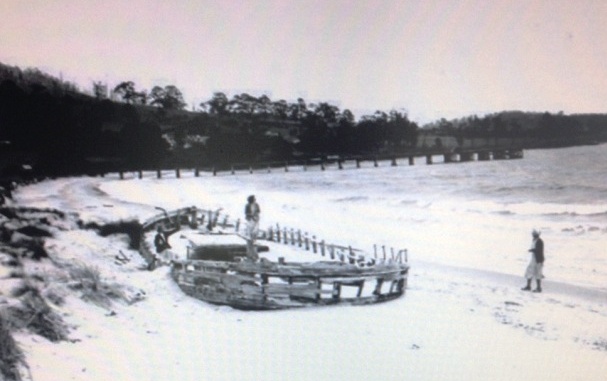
<point x="267" y="285"/>
<point x="214" y="267"/>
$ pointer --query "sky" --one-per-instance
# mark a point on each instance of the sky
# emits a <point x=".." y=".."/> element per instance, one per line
<point x="434" y="59"/>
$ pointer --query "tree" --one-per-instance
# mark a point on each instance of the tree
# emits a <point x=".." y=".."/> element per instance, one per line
<point x="401" y="130"/>
<point x="218" y="105"/>
<point x="169" y="97"/>
<point x="299" y="110"/>
<point x="265" y="105"/>
<point x="13" y="111"/>
<point x="126" y="90"/>
<point x="347" y="116"/>
<point x="100" y="90"/>
<point x="345" y="133"/>
<point x="327" y="112"/>
<point x="141" y="143"/>
<point x="244" y="104"/>
<point x="281" y="109"/>
<point x="316" y="136"/>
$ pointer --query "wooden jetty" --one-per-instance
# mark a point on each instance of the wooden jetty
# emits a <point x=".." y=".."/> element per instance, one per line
<point x="429" y="156"/>
<point x="294" y="270"/>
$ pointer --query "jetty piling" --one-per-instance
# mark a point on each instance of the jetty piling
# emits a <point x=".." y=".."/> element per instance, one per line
<point x="458" y="155"/>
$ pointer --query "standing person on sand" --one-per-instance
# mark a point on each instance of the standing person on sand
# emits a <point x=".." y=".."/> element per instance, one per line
<point x="536" y="265"/>
<point x="251" y="212"/>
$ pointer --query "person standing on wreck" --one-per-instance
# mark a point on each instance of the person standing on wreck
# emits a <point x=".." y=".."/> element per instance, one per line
<point x="251" y="212"/>
<point x="536" y="265"/>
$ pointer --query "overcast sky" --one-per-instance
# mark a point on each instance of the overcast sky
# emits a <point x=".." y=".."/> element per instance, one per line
<point x="432" y="58"/>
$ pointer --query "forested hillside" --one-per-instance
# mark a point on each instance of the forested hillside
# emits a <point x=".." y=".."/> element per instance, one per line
<point x="56" y="129"/>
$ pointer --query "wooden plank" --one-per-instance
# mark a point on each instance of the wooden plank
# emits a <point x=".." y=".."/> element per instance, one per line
<point x="300" y="270"/>
<point x="289" y="288"/>
<point x="249" y="289"/>
<point x="234" y="280"/>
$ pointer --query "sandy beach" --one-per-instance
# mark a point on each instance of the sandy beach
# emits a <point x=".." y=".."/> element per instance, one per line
<point x="456" y="321"/>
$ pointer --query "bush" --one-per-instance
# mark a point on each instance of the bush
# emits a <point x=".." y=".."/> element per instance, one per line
<point x="35" y="315"/>
<point x="34" y="231"/>
<point x="131" y="228"/>
<point x="54" y="296"/>
<point x="24" y="288"/>
<point x="34" y="248"/>
<point x="16" y="274"/>
<point x="10" y="353"/>
<point x="93" y="288"/>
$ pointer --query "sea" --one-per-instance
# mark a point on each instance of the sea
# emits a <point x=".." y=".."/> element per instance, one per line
<point x="476" y="214"/>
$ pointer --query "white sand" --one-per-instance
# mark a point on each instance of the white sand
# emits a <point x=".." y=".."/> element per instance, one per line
<point x="454" y="323"/>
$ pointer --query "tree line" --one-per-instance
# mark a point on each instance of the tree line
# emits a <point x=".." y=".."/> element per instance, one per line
<point x="65" y="131"/>
<point x="325" y="128"/>
<point x="526" y="129"/>
<point x="69" y="132"/>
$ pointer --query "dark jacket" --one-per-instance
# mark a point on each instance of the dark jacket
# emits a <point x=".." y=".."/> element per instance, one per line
<point x="161" y="242"/>
<point x="251" y="211"/>
<point x="538" y="251"/>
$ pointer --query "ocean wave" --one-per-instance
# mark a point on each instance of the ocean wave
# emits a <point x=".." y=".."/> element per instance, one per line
<point x="548" y="210"/>
<point x="581" y="230"/>
<point x="352" y="199"/>
<point x="576" y="214"/>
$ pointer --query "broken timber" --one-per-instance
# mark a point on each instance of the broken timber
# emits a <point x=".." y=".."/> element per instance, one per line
<point x="214" y="268"/>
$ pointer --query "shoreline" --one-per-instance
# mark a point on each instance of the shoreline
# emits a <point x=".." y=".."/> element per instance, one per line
<point x="442" y="325"/>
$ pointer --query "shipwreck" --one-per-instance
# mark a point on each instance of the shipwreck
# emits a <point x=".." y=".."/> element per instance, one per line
<point x="208" y="259"/>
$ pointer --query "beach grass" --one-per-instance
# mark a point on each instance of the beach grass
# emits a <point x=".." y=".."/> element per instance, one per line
<point x="11" y="356"/>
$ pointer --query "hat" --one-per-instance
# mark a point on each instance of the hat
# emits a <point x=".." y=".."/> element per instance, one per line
<point x="535" y="233"/>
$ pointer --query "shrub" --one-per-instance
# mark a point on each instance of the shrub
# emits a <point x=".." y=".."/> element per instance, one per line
<point x="34" y="231"/>
<point x="54" y="296"/>
<point x="8" y="212"/>
<point x="93" y="288"/>
<point x="16" y="274"/>
<point x="34" y="249"/>
<point x="131" y="228"/>
<point x="23" y="288"/>
<point x="11" y="256"/>
<point x="10" y="353"/>
<point x="35" y="315"/>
